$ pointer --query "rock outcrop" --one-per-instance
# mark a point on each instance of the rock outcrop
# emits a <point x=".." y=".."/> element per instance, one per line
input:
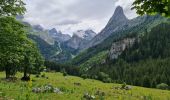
<point x="119" y="46"/>
<point x="80" y="38"/>
<point x="58" y="36"/>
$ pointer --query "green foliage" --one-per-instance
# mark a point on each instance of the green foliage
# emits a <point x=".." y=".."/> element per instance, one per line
<point x="17" y="52"/>
<point x="43" y="75"/>
<point x="152" y="7"/>
<point x="146" y="63"/>
<point x="69" y="69"/>
<point x="95" y="60"/>
<point x="64" y="72"/>
<point x="33" y="61"/>
<point x="84" y="76"/>
<point x="104" y="77"/>
<point x="162" y="86"/>
<point x="123" y="85"/>
<point x="149" y="23"/>
<point x="154" y="44"/>
<point x="12" y="42"/>
<point x="45" y="48"/>
<point x="11" y="7"/>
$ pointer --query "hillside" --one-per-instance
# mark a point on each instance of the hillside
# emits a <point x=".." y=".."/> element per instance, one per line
<point x="148" y="22"/>
<point x="146" y="63"/>
<point x="46" y="49"/>
<point x="74" y="88"/>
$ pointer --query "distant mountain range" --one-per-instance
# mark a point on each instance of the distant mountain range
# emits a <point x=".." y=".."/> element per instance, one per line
<point x="135" y="51"/>
<point x="56" y="46"/>
<point x="80" y="38"/>
<point x="85" y="44"/>
<point x="58" y="36"/>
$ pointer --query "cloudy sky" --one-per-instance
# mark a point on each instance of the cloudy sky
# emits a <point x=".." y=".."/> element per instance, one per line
<point x="71" y="15"/>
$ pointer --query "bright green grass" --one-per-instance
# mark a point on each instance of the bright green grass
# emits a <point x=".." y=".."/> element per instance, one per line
<point x="22" y="90"/>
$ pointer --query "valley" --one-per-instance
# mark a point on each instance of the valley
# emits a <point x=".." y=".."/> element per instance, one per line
<point x="118" y="51"/>
<point x="67" y="52"/>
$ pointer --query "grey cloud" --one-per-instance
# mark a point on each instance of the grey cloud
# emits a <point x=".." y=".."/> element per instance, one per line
<point x="92" y="9"/>
<point x="68" y="22"/>
<point x="74" y="14"/>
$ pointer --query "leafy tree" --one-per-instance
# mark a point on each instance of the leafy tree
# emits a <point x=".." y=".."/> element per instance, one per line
<point x="152" y="7"/>
<point x="33" y="61"/>
<point x="11" y="42"/>
<point x="11" y="7"/>
<point x="17" y="51"/>
<point x="162" y="86"/>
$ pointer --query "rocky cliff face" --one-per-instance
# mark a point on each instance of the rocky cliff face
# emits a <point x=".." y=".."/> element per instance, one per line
<point x="117" y="21"/>
<point x="38" y="28"/>
<point x="74" y="42"/>
<point x="58" y="36"/>
<point x="119" y="46"/>
<point x="80" y="38"/>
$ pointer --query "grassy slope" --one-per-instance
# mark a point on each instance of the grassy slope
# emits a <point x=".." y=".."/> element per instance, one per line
<point x="95" y="60"/>
<point x="18" y="91"/>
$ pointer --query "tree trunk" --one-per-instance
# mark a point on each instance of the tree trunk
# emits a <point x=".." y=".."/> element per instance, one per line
<point x="7" y="71"/>
<point x="25" y="77"/>
<point x="25" y="72"/>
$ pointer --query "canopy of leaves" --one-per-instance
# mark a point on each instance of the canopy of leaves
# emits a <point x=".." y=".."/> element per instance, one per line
<point x="16" y="49"/>
<point x="11" y="7"/>
<point x="152" y="7"/>
<point x="11" y="40"/>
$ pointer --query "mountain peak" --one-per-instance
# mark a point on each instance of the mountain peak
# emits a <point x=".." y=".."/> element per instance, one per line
<point x="53" y="30"/>
<point x="119" y="15"/>
<point x="115" y="23"/>
<point x="119" y="10"/>
<point x="38" y="28"/>
<point x="87" y="34"/>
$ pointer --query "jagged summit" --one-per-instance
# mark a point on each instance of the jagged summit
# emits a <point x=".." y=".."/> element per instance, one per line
<point x="53" y="30"/>
<point x="38" y="28"/>
<point x="87" y="34"/>
<point x="118" y="16"/>
<point x="115" y="23"/>
<point x="118" y="10"/>
<point x="58" y="35"/>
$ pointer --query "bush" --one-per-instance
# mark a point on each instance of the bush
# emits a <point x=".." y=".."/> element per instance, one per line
<point x="84" y="76"/>
<point x="64" y="73"/>
<point x="43" y="75"/>
<point x="37" y="75"/>
<point x="162" y="86"/>
<point x="123" y="85"/>
<point x="104" y="77"/>
<point x="107" y="80"/>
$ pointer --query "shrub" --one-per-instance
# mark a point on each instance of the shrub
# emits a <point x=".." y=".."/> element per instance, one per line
<point x="107" y="80"/>
<point x="37" y="75"/>
<point x="65" y="73"/>
<point x="43" y="75"/>
<point x="104" y="77"/>
<point x="84" y="76"/>
<point x="123" y="85"/>
<point x="162" y="86"/>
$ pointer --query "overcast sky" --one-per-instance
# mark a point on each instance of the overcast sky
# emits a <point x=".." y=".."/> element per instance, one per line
<point x="71" y="15"/>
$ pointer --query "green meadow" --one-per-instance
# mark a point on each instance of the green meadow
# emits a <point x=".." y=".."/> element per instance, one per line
<point x="19" y="90"/>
